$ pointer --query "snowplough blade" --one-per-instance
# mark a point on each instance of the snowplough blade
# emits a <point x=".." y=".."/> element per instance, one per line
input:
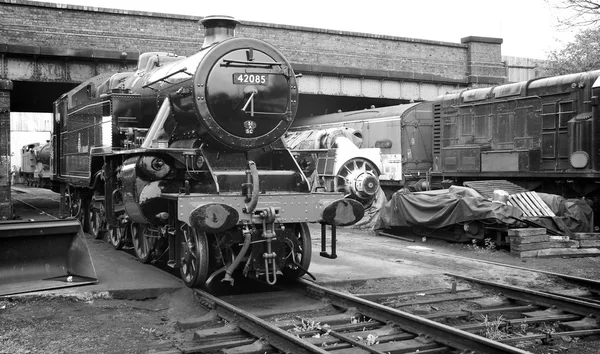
<point x="43" y="255"/>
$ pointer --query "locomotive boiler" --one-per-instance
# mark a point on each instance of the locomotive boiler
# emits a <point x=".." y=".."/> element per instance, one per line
<point x="184" y="156"/>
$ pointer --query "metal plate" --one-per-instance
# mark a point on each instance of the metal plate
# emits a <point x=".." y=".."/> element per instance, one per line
<point x="250" y="79"/>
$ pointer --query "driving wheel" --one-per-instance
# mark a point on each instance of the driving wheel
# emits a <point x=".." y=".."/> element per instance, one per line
<point x="194" y="257"/>
<point x="72" y="201"/>
<point x="116" y="236"/>
<point x="143" y="244"/>
<point x="97" y="220"/>
<point x="299" y="251"/>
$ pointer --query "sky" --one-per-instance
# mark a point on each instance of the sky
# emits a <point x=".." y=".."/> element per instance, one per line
<point x="528" y="27"/>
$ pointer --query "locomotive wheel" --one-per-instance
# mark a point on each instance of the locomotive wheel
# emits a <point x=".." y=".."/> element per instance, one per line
<point x="85" y="214"/>
<point x="301" y="253"/>
<point x="97" y="221"/>
<point x="73" y="201"/>
<point x="116" y="236"/>
<point x="142" y="244"/>
<point x="194" y="257"/>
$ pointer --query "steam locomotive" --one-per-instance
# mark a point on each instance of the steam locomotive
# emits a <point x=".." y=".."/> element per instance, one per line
<point x="35" y="164"/>
<point x="542" y="134"/>
<point x="184" y="156"/>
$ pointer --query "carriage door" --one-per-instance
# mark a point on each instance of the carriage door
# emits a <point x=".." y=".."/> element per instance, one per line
<point x="555" y="141"/>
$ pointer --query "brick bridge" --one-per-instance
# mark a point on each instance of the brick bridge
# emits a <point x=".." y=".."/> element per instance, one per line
<point x="46" y="49"/>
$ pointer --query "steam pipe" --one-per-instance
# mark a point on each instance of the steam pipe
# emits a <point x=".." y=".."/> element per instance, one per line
<point x="240" y="255"/>
<point x="157" y="125"/>
<point x="255" y="188"/>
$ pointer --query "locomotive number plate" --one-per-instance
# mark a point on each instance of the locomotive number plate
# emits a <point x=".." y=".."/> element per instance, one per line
<point x="250" y="79"/>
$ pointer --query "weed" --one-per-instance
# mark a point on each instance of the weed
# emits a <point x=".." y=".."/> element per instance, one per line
<point x="361" y="319"/>
<point x="521" y="329"/>
<point x="492" y="328"/>
<point x="488" y="245"/>
<point x="307" y="325"/>
<point x="548" y="327"/>
<point x="370" y="340"/>
<point x="148" y="330"/>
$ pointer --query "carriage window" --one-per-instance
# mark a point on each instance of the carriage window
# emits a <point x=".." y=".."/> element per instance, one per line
<point x="466" y="123"/>
<point x="480" y="127"/>
<point x="548" y="115"/>
<point x="449" y="133"/>
<point x="504" y="130"/>
<point x="566" y="111"/>
<point x="521" y="121"/>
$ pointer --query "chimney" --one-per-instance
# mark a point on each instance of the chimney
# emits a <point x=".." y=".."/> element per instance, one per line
<point x="218" y="28"/>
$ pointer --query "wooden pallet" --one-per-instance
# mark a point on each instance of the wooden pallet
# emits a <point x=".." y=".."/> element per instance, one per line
<point x="530" y="204"/>
<point x="487" y="188"/>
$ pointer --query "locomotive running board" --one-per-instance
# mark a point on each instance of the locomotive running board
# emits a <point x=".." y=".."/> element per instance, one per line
<point x="43" y="255"/>
<point x="330" y="208"/>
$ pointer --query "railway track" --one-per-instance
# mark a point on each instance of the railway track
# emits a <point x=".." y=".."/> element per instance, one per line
<point x="27" y="206"/>
<point x="592" y="285"/>
<point x="308" y="318"/>
<point x="519" y="316"/>
<point x="576" y="315"/>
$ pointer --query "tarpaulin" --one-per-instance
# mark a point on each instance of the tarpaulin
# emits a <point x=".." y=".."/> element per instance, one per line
<point x="406" y="209"/>
<point x="576" y="213"/>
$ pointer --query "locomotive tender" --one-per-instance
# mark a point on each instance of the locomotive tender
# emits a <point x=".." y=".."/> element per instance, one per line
<point x="185" y="156"/>
<point x="542" y="134"/>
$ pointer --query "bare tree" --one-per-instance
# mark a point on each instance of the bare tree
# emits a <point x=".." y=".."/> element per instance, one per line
<point x="577" y="13"/>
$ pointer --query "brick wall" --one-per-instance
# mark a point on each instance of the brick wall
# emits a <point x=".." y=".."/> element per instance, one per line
<point x="5" y="166"/>
<point x="67" y="26"/>
<point x="482" y="59"/>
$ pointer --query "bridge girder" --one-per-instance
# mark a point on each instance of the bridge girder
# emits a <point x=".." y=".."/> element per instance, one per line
<point x="46" y="64"/>
<point x="372" y="87"/>
<point x="43" y="64"/>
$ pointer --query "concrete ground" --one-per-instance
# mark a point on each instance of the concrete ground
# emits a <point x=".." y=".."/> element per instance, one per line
<point x="362" y="256"/>
<point x="120" y="274"/>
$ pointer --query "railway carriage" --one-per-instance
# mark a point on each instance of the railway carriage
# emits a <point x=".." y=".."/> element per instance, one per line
<point x="542" y="134"/>
<point x="184" y="156"/>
